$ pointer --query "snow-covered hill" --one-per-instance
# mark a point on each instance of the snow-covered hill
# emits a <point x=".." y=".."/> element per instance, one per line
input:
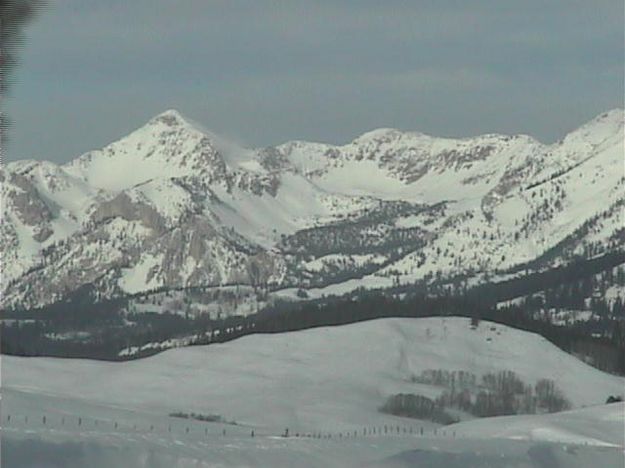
<point x="173" y="206"/>
<point x="326" y="381"/>
<point x="326" y="377"/>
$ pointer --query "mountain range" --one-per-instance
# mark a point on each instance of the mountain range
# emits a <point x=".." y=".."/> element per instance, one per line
<point x="173" y="206"/>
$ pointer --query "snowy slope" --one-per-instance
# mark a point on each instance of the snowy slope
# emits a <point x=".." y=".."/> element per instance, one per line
<point x="141" y="440"/>
<point x="172" y="205"/>
<point x="311" y="379"/>
<point x="601" y="425"/>
<point x="326" y="380"/>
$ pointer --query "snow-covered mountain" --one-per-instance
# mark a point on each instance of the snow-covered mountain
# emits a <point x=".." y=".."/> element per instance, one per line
<point x="174" y="206"/>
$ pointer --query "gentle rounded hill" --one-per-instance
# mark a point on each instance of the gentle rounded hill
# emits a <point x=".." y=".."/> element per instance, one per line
<point x="326" y="378"/>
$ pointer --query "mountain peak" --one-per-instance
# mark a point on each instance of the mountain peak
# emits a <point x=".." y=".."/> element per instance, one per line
<point x="616" y="113"/>
<point x="612" y="119"/>
<point x="379" y="134"/>
<point x="171" y="118"/>
<point x="605" y="127"/>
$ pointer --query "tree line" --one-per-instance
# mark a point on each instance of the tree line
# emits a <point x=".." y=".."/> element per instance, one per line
<point x="80" y="327"/>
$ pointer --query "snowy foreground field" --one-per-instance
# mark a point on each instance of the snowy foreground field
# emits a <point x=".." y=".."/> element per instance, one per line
<point x="325" y="385"/>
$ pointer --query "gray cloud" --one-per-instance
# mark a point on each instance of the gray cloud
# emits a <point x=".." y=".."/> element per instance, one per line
<point x="268" y="71"/>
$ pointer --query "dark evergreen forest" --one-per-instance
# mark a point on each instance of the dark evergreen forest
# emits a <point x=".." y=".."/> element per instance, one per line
<point x="101" y="330"/>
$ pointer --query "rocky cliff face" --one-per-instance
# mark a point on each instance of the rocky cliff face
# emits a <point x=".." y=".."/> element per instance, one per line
<point x="171" y="206"/>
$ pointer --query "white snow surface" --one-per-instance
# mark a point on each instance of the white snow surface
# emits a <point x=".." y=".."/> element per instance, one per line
<point x="326" y="377"/>
<point x="600" y="425"/>
<point x="325" y="380"/>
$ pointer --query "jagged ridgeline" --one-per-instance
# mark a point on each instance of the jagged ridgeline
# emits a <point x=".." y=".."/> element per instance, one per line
<point x="173" y="207"/>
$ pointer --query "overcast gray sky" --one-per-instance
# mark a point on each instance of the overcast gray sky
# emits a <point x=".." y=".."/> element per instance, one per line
<point x="267" y="71"/>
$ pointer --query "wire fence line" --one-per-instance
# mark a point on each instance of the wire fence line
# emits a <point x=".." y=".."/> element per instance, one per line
<point x="206" y="429"/>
